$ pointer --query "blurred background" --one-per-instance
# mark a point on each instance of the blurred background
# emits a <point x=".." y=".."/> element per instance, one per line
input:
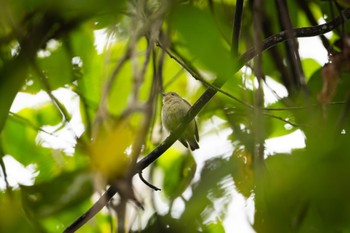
<point x="80" y="104"/>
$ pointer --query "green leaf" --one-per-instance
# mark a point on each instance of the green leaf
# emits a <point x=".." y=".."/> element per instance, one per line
<point x="24" y="133"/>
<point x="281" y="121"/>
<point x="12" y="217"/>
<point x="310" y="66"/>
<point x="202" y="40"/>
<point x="19" y="141"/>
<point x="243" y="173"/>
<point x="178" y="170"/>
<point x="46" y="114"/>
<point x="59" y="194"/>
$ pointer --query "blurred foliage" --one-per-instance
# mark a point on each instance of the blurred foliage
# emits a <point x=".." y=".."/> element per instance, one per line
<point x="115" y="57"/>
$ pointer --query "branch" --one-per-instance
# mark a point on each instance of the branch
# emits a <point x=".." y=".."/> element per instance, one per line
<point x="195" y="74"/>
<point x="291" y="46"/>
<point x="282" y="119"/>
<point x="99" y="204"/>
<point x="236" y="30"/>
<point x="3" y="168"/>
<point x="201" y="102"/>
<point x="305" y="6"/>
<point x="42" y="77"/>
<point x="299" y="32"/>
<point x="101" y="111"/>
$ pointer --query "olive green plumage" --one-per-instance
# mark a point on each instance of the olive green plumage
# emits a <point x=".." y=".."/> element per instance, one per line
<point x="173" y="112"/>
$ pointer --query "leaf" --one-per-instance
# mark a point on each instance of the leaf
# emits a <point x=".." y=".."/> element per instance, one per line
<point x="12" y="218"/>
<point x="24" y="134"/>
<point x="202" y="40"/>
<point x="46" y="114"/>
<point x="59" y="194"/>
<point x="15" y="134"/>
<point x="310" y="66"/>
<point x="55" y="66"/>
<point x="281" y="120"/>
<point x="12" y="73"/>
<point x="215" y="184"/>
<point x="214" y="227"/>
<point x="178" y="170"/>
<point x="243" y="173"/>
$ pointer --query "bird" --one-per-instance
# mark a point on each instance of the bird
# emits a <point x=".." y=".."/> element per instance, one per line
<point x="174" y="110"/>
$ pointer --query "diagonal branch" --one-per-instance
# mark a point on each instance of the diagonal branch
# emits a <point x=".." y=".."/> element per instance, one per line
<point x="195" y="74"/>
<point x="299" y="32"/>
<point x="202" y="101"/>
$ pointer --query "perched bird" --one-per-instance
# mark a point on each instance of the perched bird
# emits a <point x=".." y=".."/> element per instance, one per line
<point x="173" y="112"/>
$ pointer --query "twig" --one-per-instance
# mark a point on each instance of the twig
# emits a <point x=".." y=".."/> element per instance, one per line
<point x="25" y="121"/>
<point x="147" y="183"/>
<point x="304" y="107"/>
<point x="281" y="119"/>
<point x="3" y="168"/>
<point x="55" y="101"/>
<point x="101" y="111"/>
<point x="194" y="73"/>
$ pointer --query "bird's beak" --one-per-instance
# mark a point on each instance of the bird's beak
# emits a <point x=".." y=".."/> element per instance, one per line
<point x="163" y="94"/>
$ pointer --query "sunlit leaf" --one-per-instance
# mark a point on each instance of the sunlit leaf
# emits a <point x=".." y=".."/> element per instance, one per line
<point x="15" y="134"/>
<point x="310" y="66"/>
<point x="47" y="114"/>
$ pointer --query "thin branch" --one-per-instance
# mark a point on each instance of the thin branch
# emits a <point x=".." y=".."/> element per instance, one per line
<point x="304" y="5"/>
<point x="97" y="207"/>
<point x="3" y="168"/>
<point x="158" y="66"/>
<point x="147" y="183"/>
<point x="282" y="119"/>
<point x="236" y="31"/>
<point x="101" y="112"/>
<point x="304" y="107"/>
<point x="195" y="74"/>
<point x="25" y="121"/>
<point x="121" y="214"/>
<point x="298" y="32"/>
<point x="291" y="45"/>
<point x="258" y="121"/>
<point x="48" y="90"/>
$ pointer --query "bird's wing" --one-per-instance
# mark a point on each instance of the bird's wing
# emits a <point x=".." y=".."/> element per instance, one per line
<point x="195" y="123"/>
<point x="189" y="105"/>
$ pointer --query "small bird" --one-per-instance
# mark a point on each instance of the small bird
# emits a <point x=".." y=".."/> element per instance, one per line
<point x="173" y="112"/>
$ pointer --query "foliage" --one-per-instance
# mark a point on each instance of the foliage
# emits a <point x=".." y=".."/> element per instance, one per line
<point x="100" y="114"/>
